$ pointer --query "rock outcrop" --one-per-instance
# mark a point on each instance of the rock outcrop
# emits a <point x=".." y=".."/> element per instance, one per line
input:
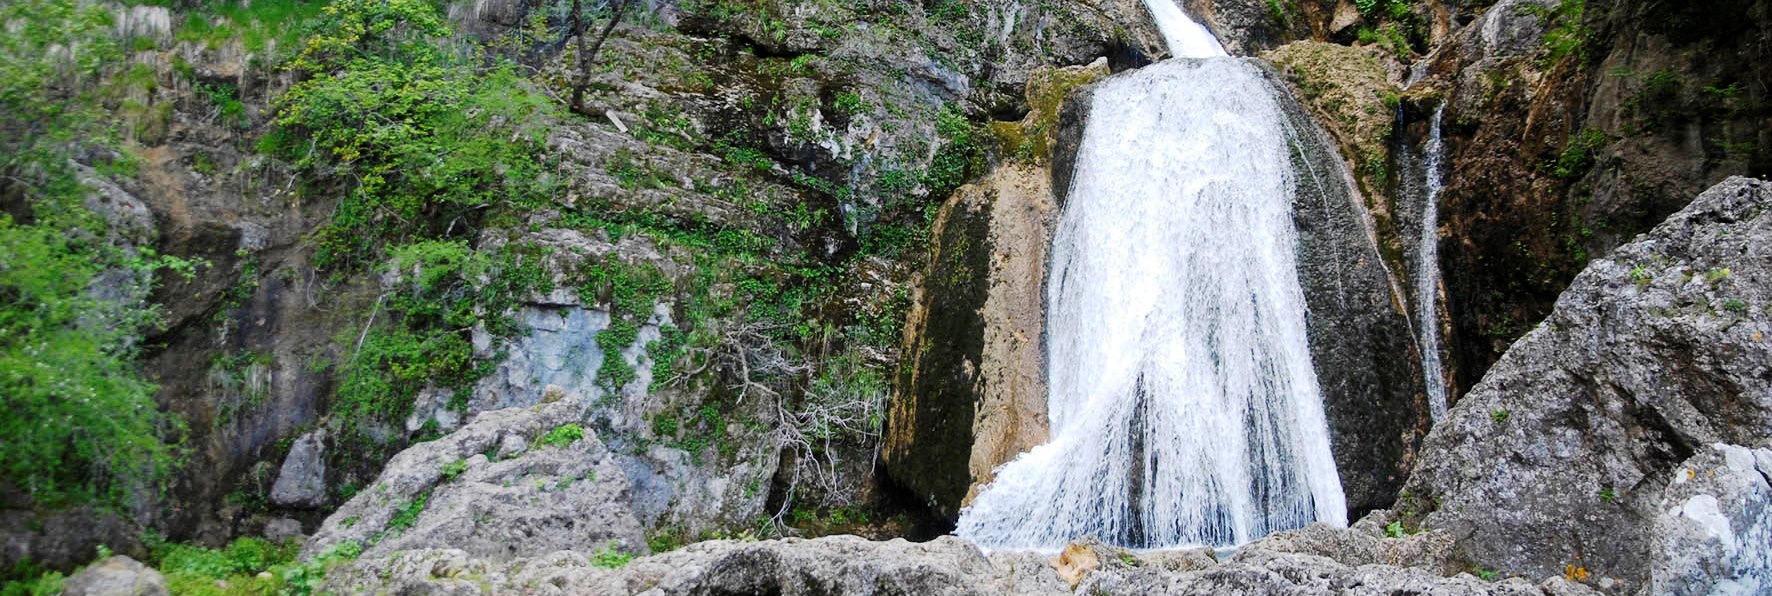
<point x="1559" y="461"/>
<point x="1312" y="560"/>
<point x="512" y="483"/>
<point x="1715" y="525"/>
<point x="1360" y="340"/>
<point x="972" y="391"/>
<point x="1571" y="128"/>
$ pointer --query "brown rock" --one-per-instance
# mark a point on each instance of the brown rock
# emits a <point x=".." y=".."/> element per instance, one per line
<point x="1075" y="562"/>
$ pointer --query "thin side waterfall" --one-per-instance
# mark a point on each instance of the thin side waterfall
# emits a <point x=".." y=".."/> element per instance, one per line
<point x="1427" y="276"/>
<point x="1183" y="403"/>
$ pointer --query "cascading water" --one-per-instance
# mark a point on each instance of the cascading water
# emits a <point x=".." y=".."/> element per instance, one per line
<point x="1183" y="404"/>
<point x="1427" y="271"/>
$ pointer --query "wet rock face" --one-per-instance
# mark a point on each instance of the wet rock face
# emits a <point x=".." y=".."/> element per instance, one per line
<point x="479" y="491"/>
<point x="971" y="394"/>
<point x="1560" y="459"/>
<point x="929" y="434"/>
<point x="1715" y="524"/>
<point x="1359" y="333"/>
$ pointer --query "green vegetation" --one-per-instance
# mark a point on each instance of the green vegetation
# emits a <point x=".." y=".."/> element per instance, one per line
<point x="1499" y="415"/>
<point x="1487" y="575"/>
<point x="1566" y="35"/>
<point x="454" y="468"/>
<point x="81" y="425"/>
<point x="1640" y="275"/>
<point x="609" y="557"/>
<point x="407" y="515"/>
<point x="1391" y="25"/>
<point x="246" y="566"/>
<point x="382" y="101"/>
<point x="960" y="153"/>
<point x="1578" y="156"/>
<point x="561" y="436"/>
<point x="1394" y="529"/>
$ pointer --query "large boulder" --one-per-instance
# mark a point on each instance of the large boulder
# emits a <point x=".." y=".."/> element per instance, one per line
<point x="512" y="483"/>
<point x="116" y="576"/>
<point x="1715" y="523"/>
<point x="1558" y="461"/>
<point x="302" y="480"/>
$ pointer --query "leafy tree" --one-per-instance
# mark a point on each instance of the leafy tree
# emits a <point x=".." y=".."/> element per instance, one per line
<point x="77" y="423"/>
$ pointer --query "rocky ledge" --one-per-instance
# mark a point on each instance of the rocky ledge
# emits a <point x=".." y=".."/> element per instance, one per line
<point x="1313" y="560"/>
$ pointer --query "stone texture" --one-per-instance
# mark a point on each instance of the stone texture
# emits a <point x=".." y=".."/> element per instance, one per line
<point x="65" y="539"/>
<point x="283" y="528"/>
<point x="847" y="565"/>
<point x="115" y="576"/>
<point x="1713" y="534"/>
<point x="550" y="497"/>
<point x="1557" y="462"/>
<point x="301" y="482"/>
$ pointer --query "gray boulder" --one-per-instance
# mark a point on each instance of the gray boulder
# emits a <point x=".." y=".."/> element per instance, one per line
<point x="556" y="495"/>
<point x="302" y="480"/>
<point x="116" y="576"/>
<point x="1715" y="525"/>
<point x="1556" y="463"/>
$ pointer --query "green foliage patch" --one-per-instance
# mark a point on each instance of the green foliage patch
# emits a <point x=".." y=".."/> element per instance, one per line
<point x="561" y="436"/>
<point x="418" y="141"/>
<point x="80" y="424"/>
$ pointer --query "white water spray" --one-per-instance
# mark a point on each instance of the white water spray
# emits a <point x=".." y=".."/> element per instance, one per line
<point x="1183" y="404"/>
<point x="1186" y="38"/>
<point x="1427" y="276"/>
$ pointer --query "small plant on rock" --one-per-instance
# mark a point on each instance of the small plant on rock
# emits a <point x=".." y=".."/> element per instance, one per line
<point x="454" y="468"/>
<point x="565" y="434"/>
<point x="609" y="557"/>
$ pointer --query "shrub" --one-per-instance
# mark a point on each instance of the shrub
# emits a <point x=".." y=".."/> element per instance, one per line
<point x="79" y="423"/>
<point x="561" y="436"/>
<point x="609" y="557"/>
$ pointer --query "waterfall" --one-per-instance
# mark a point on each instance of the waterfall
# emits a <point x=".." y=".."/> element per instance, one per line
<point x="1186" y="38"/>
<point x="1183" y="405"/>
<point x="1427" y="271"/>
